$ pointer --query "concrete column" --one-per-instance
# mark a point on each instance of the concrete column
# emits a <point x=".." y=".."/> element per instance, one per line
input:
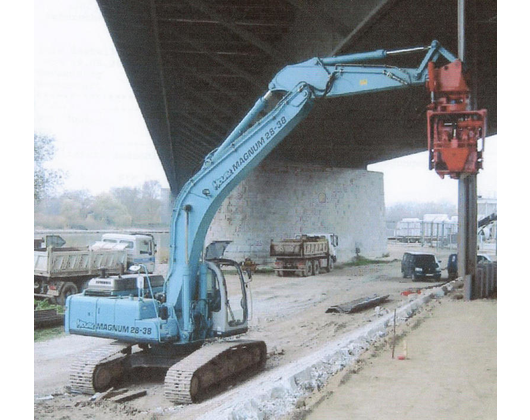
<point x="467" y="195"/>
<point x="280" y="200"/>
<point x="467" y="232"/>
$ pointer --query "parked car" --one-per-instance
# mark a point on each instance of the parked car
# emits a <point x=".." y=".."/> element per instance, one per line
<point x="452" y="264"/>
<point x="420" y="265"/>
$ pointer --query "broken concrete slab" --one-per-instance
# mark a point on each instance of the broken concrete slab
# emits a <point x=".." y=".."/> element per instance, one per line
<point x="128" y="396"/>
<point x="100" y="396"/>
<point x="357" y="305"/>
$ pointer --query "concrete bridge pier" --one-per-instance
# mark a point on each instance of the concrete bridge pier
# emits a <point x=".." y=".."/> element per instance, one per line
<point x="282" y="199"/>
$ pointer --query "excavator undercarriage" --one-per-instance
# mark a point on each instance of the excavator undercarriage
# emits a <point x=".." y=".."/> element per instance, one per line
<point x="211" y="366"/>
<point x="188" y="377"/>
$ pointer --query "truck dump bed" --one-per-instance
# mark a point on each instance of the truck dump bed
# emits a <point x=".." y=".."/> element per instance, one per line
<point x="68" y="262"/>
<point x="303" y="247"/>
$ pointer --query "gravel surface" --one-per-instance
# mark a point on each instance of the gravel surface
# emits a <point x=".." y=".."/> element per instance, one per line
<point x="288" y="314"/>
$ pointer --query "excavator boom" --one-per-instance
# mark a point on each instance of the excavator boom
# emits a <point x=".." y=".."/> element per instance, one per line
<point x="300" y="84"/>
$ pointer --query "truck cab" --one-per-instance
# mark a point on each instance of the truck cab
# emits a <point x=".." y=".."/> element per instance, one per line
<point x="141" y="248"/>
<point x="333" y="243"/>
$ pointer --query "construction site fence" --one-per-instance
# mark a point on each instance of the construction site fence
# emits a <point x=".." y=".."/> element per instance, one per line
<point x="485" y="284"/>
<point x="433" y="234"/>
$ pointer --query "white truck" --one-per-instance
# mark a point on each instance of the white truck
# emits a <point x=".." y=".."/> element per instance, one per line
<point x="61" y="271"/>
<point x="305" y="255"/>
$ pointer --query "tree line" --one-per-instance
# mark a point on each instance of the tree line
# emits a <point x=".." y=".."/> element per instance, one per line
<point x="133" y="206"/>
<point x="120" y="207"/>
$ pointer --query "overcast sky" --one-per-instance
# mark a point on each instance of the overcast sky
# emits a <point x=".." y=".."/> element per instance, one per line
<point x="83" y="99"/>
<point x="409" y="179"/>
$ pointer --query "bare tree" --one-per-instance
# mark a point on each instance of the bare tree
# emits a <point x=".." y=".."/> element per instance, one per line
<point x="45" y="180"/>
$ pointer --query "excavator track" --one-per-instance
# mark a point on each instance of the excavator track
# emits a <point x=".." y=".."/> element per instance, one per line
<point x="208" y="367"/>
<point x="97" y="370"/>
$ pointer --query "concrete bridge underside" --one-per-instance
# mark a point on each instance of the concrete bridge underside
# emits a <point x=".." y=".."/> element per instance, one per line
<point x="196" y="67"/>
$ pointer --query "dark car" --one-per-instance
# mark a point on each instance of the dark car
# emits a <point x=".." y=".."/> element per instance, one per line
<point x="452" y="264"/>
<point x="419" y="265"/>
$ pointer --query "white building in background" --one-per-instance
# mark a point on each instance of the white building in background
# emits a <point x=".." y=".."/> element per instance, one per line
<point x="410" y="228"/>
<point x="486" y="206"/>
<point x="442" y="230"/>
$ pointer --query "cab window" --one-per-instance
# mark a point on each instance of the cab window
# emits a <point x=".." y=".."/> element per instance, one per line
<point x="130" y="244"/>
<point x="213" y="292"/>
<point x="144" y="247"/>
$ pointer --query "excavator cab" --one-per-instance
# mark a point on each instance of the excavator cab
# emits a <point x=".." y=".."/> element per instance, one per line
<point x="227" y="297"/>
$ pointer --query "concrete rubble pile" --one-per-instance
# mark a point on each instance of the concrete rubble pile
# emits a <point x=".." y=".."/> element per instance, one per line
<point x="282" y="390"/>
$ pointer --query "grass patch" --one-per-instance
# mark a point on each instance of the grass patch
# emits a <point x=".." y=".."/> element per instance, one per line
<point x="44" y="334"/>
<point x="359" y="261"/>
<point x="265" y="270"/>
<point x="40" y="305"/>
<point x="48" y="333"/>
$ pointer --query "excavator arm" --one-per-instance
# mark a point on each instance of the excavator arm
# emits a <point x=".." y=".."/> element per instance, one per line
<point x="352" y="74"/>
<point x="254" y="138"/>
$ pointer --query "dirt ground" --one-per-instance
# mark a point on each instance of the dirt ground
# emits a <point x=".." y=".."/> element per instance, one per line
<point x="450" y="371"/>
<point x="288" y="314"/>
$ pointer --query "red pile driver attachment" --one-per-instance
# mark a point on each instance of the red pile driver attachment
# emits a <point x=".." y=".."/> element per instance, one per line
<point x="455" y="134"/>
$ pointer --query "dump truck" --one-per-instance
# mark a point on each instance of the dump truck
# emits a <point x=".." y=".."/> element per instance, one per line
<point x="60" y="271"/>
<point x="305" y="255"/>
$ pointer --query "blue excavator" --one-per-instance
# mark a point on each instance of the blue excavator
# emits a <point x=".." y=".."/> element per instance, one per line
<point x="189" y="321"/>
